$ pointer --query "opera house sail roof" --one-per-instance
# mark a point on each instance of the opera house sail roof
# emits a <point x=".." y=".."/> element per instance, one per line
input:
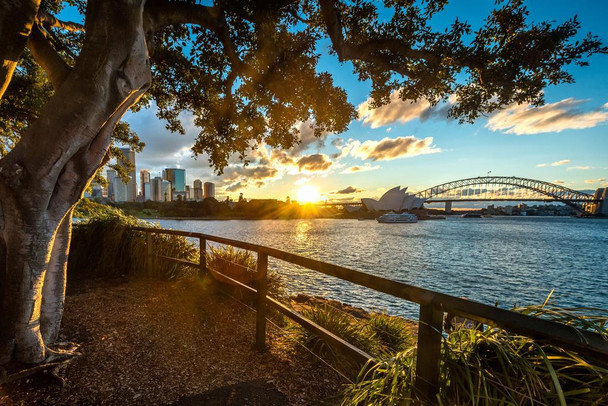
<point x="395" y="199"/>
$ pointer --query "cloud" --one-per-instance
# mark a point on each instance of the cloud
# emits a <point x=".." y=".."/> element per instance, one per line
<point x="578" y="168"/>
<point x="360" y="168"/>
<point x="562" y="162"/>
<point x="525" y="119"/>
<point x="391" y="148"/>
<point x="558" y="182"/>
<point x="314" y="163"/>
<point x="541" y="165"/>
<point x="307" y="138"/>
<point x="237" y="186"/>
<point x="398" y="110"/>
<point x="347" y="191"/>
<point x="598" y="180"/>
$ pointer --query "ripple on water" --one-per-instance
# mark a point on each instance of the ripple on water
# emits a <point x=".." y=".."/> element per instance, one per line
<point x="509" y="260"/>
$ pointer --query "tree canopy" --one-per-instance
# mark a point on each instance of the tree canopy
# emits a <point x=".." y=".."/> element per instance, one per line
<point x="247" y="70"/>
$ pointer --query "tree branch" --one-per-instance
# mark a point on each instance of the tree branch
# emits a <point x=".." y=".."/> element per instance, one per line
<point x="49" y="21"/>
<point x="163" y="13"/>
<point x="44" y="53"/>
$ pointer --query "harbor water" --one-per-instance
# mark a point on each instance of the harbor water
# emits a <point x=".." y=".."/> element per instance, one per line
<point x="509" y="261"/>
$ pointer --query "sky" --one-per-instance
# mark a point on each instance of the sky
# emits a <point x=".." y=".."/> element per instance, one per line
<point x="565" y="141"/>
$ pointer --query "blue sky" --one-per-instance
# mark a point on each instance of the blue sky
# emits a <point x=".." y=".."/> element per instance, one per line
<point x="564" y="141"/>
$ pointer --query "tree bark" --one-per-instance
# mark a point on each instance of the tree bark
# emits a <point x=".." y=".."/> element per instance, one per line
<point x="44" y="176"/>
<point x="16" y="21"/>
<point x="53" y="289"/>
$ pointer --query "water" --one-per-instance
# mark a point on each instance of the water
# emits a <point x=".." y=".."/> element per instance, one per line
<point x="505" y="260"/>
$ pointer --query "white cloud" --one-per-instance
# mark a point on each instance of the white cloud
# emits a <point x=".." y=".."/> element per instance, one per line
<point x="558" y="182"/>
<point x="360" y="168"/>
<point x="560" y="163"/>
<point x="398" y="110"/>
<point x="578" y="168"/>
<point x="541" y="165"/>
<point x="598" y="180"/>
<point x="525" y="119"/>
<point x="391" y="148"/>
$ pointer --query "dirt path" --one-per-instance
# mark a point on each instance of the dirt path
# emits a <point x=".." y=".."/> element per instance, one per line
<point x="150" y="342"/>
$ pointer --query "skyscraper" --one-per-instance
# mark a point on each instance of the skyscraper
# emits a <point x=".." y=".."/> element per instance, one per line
<point x="177" y="177"/>
<point x="166" y="191"/>
<point x="144" y="177"/>
<point x="132" y="185"/>
<point x="198" y="190"/>
<point x="156" y="186"/>
<point x="209" y="190"/>
<point x="110" y="177"/>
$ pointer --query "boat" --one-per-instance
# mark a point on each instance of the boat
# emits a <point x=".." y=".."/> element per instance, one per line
<point x="471" y="216"/>
<point x="397" y="218"/>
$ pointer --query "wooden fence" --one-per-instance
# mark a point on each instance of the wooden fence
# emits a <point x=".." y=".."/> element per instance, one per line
<point x="433" y="305"/>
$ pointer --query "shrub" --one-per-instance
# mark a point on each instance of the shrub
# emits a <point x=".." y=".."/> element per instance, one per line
<point x="241" y="265"/>
<point x="495" y="367"/>
<point x="340" y="324"/>
<point x="104" y="246"/>
<point x="392" y="333"/>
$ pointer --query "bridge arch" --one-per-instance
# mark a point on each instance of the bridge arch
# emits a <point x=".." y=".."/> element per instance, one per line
<point x="579" y="200"/>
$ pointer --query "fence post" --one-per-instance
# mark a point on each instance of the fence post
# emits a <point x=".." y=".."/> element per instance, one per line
<point x="149" y="261"/>
<point x="203" y="257"/>
<point x="429" y="353"/>
<point x="262" y="288"/>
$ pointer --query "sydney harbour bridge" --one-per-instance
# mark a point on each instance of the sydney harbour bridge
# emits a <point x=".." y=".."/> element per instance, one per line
<point x="503" y="188"/>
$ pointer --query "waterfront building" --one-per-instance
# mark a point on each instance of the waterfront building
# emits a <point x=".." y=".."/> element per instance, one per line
<point x="166" y="191"/>
<point x="131" y="186"/>
<point x="147" y="191"/>
<point x="120" y="190"/>
<point x="187" y="192"/>
<point x="144" y="177"/>
<point x="198" y="190"/>
<point x="110" y="176"/>
<point x="209" y="190"/>
<point x="156" y="186"/>
<point x="395" y="199"/>
<point x="177" y="177"/>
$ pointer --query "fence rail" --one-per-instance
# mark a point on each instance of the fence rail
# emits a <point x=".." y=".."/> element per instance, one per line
<point x="433" y="305"/>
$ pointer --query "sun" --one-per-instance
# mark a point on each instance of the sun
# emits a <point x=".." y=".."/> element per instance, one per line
<point x="308" y="194"/>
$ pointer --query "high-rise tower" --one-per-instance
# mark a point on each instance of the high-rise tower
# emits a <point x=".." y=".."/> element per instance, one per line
<point x="132" y="185"/>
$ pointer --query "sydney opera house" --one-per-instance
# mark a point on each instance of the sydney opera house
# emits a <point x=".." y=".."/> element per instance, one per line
<point x="396" y="199"/>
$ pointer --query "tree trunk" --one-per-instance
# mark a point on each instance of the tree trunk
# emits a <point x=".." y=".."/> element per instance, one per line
<point x="53" y="289"/>
<point x="16" y="21"/>
<point x="44" y="176"/>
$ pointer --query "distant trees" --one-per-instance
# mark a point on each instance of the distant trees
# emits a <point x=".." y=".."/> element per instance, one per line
<point x="247" y="71"/>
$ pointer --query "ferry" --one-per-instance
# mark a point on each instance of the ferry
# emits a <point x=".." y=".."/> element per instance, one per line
<point x="397" y="218"/>
<point x="471" y="216"/>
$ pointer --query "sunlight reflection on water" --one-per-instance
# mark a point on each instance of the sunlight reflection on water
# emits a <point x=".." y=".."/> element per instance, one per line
<point x="505" y="260"/>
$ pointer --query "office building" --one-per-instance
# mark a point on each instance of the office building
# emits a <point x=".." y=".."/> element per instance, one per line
<point x="209" y="190"/>
<point x="198" y="190"/>
<point x="166" y="191"/>
<point x="147" y="192"/>
<point x="110" y="177"/>
<point x="144" y="177"/>
<point x="131" y="187"/>
<point x="177" y="177"/>
<point x="156" y="186"/>
<point x="187" y="192"/>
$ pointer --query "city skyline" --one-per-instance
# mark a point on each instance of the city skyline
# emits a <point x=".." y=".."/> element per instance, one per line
<point x="563" y="141"/>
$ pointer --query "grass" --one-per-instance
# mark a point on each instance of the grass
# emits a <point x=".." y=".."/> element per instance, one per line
<point x="495" y="367"/>
<point x="241" y="265"/>
<point x="104" y="246"/>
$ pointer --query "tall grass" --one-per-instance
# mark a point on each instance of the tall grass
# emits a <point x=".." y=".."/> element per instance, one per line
<point x="241" y="265"/>
<point x="495" y="367"/>
<point x="342" y="325"/>
<point x="104" y="246"/>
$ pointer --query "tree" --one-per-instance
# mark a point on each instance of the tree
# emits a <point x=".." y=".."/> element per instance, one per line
<point x="246" y="69"/>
